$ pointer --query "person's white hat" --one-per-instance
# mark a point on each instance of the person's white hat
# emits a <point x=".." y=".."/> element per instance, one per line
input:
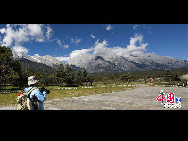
<point x="32" y="80"/>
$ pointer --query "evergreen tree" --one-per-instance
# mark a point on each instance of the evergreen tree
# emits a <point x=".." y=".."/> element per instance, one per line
<point x="85" y="76"/>
<point x="5" y="67"/>
<point x="10" y="70"/>
<point x="126" y="77"/>
<point x="50" y="80"/>
<point x="79" y="77"/>
<point x="17" y="79"/>
<point x="90" y="79"/>
<point x="69" y="79"/>
<point x="168" y="76"/>
<point x="60" y="75"/>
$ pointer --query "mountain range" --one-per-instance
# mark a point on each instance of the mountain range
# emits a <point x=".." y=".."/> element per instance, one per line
<point x="111" y="62"/>
<point x="114" y="63"/>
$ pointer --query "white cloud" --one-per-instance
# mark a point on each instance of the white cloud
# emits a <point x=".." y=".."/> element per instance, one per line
<point x="34" y="29"/>
<point x="8" y="39"/>
<point x="77" y="53"/>
<point x="49" y="32"/>
<point x="136" y="26"/>
<point x="59" y="42"/>
<point x="133" y="41"/>
<point x="75" y="40"/>
<point x="131" y="49"/>
<point x="101" y="48"/>
<point x="136" y="47"/>
<point x="143" y="27"/>
<point x="16" y="34"/>
<point x="65" y="46"/>
<point x="63" y="59"/>
<point x="92" y="36"/>
<point x="20" y="50"/>
<point x="2" y="30"/>
<point x="108" y="27"/>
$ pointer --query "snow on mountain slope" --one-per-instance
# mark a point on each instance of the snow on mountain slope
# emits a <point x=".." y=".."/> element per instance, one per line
<point x="47" y="59"/>
<point x="113" y="63"/>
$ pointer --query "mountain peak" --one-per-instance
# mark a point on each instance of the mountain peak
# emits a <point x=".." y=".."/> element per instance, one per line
<point x="36" y="55"/>
<point x="47" y="60"/>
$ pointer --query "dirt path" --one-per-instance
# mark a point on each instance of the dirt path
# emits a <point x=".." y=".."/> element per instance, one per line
<point x="140" y="98"/>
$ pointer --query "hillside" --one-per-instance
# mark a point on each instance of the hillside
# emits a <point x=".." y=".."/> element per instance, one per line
<point x="38" y="67"/>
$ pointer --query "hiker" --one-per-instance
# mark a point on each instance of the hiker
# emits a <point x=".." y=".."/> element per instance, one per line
<point x="39" y="96"/>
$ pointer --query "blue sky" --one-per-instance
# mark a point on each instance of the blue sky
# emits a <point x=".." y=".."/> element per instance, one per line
<point x="60" y="40"/>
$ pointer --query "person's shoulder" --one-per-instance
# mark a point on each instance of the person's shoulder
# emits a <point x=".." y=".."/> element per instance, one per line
<point x="26" y="89"/>
<point x="36" y="90"/>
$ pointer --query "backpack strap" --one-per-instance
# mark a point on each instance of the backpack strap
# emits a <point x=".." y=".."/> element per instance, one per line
<point x="31" y="90"/>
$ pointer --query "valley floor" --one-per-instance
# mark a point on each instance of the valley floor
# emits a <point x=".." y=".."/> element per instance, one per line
<point x="140" y="98"/>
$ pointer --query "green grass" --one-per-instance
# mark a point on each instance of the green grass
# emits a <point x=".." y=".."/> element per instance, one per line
<point x="84" y="91"/>
<point x="10" y="99"/>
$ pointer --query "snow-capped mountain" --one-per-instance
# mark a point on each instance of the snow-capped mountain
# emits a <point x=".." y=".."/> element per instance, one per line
<point x="112" y="62"/>
<point x="115" y="63"/>
<point x="47" y="59"/>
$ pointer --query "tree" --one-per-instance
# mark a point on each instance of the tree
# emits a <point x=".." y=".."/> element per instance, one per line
<point x="176" y="77"/>
<point x="28" y="72"/>
<point x="50" y="80"/>
<point x="10" y="70"/>
<point x="85" y="76"/>
<point x="126" y="77"/>
<point x="60" y="74"/>
<point x="69" y="78"/>
<point x="5" y="67"/>
<point x="90" y="79"/>
<point x="168" y="76"/>
<point x="17" y="76"/>
<point x="79" y="77"/>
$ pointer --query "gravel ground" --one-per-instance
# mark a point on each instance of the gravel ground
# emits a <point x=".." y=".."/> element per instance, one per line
<point x="140" y="98"/>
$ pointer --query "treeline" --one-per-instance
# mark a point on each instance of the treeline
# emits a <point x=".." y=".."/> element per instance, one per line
<point x="157" y="75"/>
<point x="62" y="76"/>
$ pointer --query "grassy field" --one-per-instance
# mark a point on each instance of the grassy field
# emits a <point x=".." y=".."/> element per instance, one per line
<point x="63" y="92"/>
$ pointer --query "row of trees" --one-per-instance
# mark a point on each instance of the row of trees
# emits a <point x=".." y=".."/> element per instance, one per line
<point x="167" y="76"/>
<point x="163" y="75"/>
<point x="64" y="75"/>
